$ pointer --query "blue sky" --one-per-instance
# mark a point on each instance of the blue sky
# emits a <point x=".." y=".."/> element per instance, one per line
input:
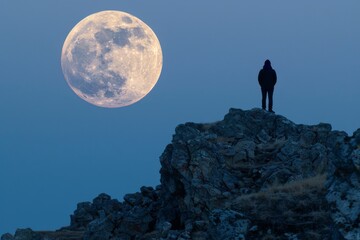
<point x="57" y="150"/>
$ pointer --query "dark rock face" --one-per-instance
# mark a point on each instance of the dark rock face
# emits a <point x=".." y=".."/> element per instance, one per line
<point x="106" y="217"/>
<point x="253" y="175"/>
<point x="344" y="186"/>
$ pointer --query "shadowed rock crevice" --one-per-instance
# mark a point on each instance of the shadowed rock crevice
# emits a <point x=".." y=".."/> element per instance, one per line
<point x="253" y="175"/>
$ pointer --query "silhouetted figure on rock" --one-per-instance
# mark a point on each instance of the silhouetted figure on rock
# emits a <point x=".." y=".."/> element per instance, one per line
<point x="267" y="80"/>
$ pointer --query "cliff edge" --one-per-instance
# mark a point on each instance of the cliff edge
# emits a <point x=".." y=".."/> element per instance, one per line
<point x="253" y="175"/>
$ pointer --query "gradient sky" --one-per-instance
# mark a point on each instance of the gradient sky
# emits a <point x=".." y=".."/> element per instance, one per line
<point x="57" y="150"/>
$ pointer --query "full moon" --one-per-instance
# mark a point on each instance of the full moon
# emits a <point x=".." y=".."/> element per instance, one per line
<point x="111" y="59"/>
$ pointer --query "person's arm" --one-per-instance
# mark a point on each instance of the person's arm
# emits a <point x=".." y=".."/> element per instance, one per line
<point x="260" y="78"/>
<point x="275" y="77"/>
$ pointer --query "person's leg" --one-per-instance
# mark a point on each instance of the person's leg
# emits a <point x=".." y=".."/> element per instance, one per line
<point x="270" y="92"/>
<point x="263" y="100"/>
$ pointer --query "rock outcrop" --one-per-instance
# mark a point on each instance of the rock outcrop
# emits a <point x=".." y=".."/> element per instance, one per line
<point x="253" y="175"/>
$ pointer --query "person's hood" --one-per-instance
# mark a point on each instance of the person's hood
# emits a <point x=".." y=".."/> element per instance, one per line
<point x="267" y="65"/>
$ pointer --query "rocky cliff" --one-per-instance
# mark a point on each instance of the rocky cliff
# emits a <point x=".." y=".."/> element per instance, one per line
<point x="253" y="175"/>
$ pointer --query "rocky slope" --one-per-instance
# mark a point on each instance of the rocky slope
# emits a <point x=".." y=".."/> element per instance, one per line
<point x="253" y="175"/>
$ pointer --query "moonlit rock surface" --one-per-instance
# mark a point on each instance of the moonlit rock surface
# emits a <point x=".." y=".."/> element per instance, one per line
<point x="252" y="175"/>
<point x="111" y="59"/>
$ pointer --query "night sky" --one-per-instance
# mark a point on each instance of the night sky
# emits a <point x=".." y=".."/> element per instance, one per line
<point x="57" y="150"/>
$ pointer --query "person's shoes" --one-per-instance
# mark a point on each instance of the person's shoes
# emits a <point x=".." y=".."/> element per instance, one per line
<point x="271" y="111"/>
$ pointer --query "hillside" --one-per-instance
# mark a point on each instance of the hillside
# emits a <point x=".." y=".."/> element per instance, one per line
<point x="252" y="175"/>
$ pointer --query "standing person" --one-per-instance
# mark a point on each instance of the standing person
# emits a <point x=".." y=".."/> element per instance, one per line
<point x="267" y="80"/>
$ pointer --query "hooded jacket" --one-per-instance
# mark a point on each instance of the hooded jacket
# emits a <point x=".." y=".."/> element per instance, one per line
<point x="267" y="76"/>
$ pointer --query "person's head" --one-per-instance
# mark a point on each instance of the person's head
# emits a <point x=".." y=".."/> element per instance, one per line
<point x="267" y="64"/>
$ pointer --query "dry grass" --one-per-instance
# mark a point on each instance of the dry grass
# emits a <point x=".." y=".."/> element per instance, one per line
<point x="294" y="188"/>
<point x="298" y="207"/>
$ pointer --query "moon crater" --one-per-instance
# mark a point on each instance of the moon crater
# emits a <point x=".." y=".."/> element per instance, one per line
<point x="111" y="59"/>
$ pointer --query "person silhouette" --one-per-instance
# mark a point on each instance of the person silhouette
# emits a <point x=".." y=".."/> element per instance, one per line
<point x="267" y="79"/>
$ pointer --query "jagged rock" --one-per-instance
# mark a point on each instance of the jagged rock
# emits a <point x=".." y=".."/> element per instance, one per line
<point x="344" y="189"/>
<point x="253" y="175"/>
<point x="100" y="228"/>
<point x="87" y="212"/>
<point x="7" y="236"/>
<point x="253" y="150"/>
<point x="228" y="224"/>
<point x="26" y="234"/>
<point x="133" y="218"/>
<point x="355" y="157"/>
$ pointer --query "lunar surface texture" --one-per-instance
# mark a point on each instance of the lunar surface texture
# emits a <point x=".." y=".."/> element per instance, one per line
<point x="111" y="59"/>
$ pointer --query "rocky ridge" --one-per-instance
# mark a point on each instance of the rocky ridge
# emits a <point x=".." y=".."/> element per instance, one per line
<point x="253" y="175"/>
